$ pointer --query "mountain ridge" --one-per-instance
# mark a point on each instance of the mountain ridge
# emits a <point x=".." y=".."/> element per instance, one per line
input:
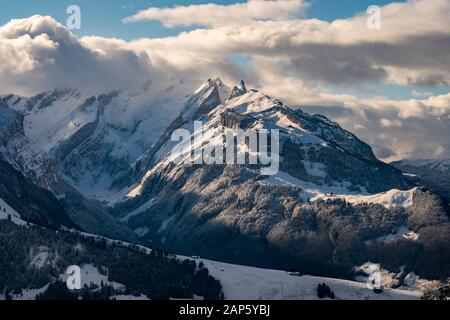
<point x="331" y="197"/>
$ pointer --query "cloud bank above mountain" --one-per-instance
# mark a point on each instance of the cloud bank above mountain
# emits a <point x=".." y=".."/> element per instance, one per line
<point x="411" y="48"/>
<point x="294" y="59"/>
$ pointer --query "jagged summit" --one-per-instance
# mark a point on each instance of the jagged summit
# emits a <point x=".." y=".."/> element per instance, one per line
<point x="314" y="150"/>
<point x="238" y="90"/>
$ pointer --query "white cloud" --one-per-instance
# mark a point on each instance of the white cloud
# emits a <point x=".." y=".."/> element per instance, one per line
<point x="396" y="129"/>
<point x="412" y="47"/>
<point x="386" y="123"/>
<point x="38" y="54"/>
<point x="217" y="15"/>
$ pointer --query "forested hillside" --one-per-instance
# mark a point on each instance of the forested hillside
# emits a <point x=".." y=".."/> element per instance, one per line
<point x="32" y="257"/>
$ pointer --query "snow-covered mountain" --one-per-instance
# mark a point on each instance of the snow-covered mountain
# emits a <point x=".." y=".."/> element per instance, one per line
<point x="323" y="211"/>
<point x="317" y="155"/>
<point x="315" y="150"/>
<point x="94" y="139"/>
<point x="27" y="145"/>
<point x="103" y="143"/>
<point x="332" y="204"/>
<point x="437" y="165"/>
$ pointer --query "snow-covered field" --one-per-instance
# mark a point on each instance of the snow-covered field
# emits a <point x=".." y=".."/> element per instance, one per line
<point x="90" y="275"/>
<point x="388" y="199"/>
<point x="249" y="283"/>
<point x="314" y="192"/>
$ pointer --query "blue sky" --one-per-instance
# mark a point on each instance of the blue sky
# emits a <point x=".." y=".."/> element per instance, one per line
<point x="104" y="18"/>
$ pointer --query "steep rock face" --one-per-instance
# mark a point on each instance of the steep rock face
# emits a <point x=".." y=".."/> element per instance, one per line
<point x="203" y="101"/>
<point x="234" y="120"/>
<point x="238" y="91"/>
<point x="71" y="143"/>
<point x="332" y="133"/>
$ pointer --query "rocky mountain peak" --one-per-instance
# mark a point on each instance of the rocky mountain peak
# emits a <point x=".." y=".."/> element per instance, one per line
<point x="238" y="90"/>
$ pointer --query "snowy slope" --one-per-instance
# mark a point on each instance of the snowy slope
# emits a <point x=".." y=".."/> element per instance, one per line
<point x="94" y="138"/>
<point x="91" y="275"/>
<point x="311" y="191"/>
<point x="249" y="283"/>
<point x="388" y="199"/>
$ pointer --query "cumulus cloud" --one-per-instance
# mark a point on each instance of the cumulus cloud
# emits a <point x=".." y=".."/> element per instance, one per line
<point x="397" y="129"/>
<point x="38" y="54"/>
<point x="412" y="47"/>
<point x="216" y="15"/>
